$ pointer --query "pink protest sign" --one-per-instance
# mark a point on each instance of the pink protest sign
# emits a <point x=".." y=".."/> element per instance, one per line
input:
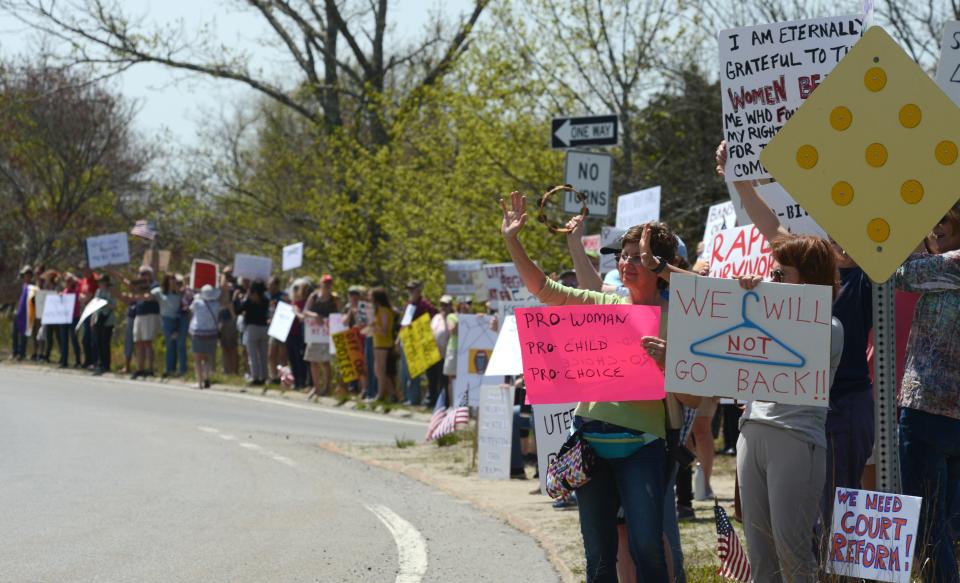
<point x="589" y="353"/>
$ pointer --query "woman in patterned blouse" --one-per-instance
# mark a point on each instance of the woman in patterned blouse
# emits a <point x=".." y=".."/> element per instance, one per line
<point x="929" y="395"/>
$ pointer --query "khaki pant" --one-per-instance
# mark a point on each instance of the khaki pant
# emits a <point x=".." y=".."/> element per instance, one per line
<point x="781" y="482"/>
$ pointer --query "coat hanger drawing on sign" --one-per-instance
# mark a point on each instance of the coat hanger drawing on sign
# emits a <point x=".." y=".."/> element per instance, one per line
<point x="747" y="324"/>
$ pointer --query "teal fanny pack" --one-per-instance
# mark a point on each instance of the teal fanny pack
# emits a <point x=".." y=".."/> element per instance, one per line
<point x="617" y="445"/>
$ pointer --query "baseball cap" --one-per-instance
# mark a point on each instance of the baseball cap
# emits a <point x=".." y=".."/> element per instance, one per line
<point x="414" y="283"/>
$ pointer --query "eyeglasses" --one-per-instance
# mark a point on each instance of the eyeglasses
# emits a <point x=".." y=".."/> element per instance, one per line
<point x="634" y="259"/>
<point x="777" y="276"/>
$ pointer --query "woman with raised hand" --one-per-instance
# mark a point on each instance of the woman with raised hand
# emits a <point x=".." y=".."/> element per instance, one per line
<point x="633" y="480"/>
<point x="929" y="396"/>
<point x="849" y="424"/>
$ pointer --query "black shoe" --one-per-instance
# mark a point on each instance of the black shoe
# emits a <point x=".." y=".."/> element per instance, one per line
<point x="62" y="366"/>
<point x="685" y="513"/>
<point x="206" y="384"/>
<point x="137" y="375"/>
<point x="148" y="372"/>
<point x="518" y="475"/>
<point x="98" y="373"/>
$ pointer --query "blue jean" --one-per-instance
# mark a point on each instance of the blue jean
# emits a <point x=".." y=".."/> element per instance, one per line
<point x="371" y="374"/>
<point x="849" y="445"/>
<point x="635" y="483"/>
<point x="411" y="386"/>
<point x="930" y="467"/>
<point x="175" y="343"/>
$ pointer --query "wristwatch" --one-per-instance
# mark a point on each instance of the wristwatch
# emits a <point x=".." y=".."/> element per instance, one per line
<point x="661" y="265"/>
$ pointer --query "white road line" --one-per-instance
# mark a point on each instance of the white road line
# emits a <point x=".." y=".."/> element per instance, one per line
<point x="283" y="460"/>
<point x="247" y="445"/>
<point x="208" y="429"/>
<point x="226" y="437"/>
<point x="252" y="446"/>
<point x="411" y="545"/>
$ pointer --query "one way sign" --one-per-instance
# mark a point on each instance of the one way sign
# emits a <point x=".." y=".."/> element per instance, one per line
<point x="569" y="132"/>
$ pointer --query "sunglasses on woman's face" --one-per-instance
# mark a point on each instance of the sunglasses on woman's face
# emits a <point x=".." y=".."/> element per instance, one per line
<point x="776" y="276"/>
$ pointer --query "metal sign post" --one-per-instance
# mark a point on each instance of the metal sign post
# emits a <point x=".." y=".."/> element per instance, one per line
<point x="886" y="451"/>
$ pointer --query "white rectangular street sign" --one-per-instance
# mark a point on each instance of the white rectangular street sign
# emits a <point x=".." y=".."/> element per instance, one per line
<point x="590" y="174"/>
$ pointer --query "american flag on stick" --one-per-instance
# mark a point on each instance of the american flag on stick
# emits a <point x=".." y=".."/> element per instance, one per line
<point x="447" y="419"/>
<point x="144" y="229"/>
<point x="733" y="559"/>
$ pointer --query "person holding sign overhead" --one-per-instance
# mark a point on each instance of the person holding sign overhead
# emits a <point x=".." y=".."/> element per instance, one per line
<point x="633" y="477"/>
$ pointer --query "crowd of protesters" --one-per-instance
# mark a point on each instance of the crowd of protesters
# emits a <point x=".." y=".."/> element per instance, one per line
<point x="789" y="457"/>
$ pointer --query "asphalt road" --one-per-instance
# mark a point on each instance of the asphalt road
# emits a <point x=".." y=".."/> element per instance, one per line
<point x="110" y="480"/>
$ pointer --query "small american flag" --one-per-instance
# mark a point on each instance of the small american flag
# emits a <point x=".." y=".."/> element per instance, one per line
<point x="446" y="419"/>
<point x="144" y="229"/>
<point x="733" y="559"/>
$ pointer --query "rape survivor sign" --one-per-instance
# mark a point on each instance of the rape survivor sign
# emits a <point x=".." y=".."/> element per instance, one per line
<point x="739" y="251"/>
<point x="766" y="72"/>
<point x="769" y="344"/>
<point x="589" y="353"/>
<point x="873" y="535"/>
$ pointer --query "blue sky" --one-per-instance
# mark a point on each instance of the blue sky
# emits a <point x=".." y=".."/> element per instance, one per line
<point x="175" y="105"/>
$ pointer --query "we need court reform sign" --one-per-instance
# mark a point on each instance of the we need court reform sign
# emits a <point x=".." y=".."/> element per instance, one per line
<point x="766" y="73"/>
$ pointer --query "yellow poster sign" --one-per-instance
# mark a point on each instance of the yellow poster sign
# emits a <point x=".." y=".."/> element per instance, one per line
<point x="872" y="154"/>
<point x="419" y="347"/>
<point x="350" y="359"/>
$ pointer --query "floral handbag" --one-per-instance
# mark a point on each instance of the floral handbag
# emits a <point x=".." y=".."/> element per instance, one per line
<point x="571" y="468"/>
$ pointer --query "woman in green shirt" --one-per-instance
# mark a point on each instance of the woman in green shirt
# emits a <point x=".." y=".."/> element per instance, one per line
<point x="631" y="478"/>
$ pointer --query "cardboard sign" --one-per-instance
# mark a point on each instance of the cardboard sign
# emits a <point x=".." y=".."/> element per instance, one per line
<point x="110" y="249"/>
<point x="769" y="344"/>
<point x="948" y="69"/>
<point x="609" y="237"/>
<point x="336" y="325"/>
<point x="791" y="215"/>
<point x="494" y="432"/>
<point x="350" y="359"/>
<point x="766" y="73"/>
<point x="503" y="283"/>
<point x="93" y="306"/>
<point x="316" y="330"/>
<point x="408" y="313"/>
<point x="505" y="360"/>
<point x="58" y="309"/>
<point x="739" y="251"/>
<point x="292" y="256"/>
<point x="872" y="155"/>
<point x="475" y="341"/>
<point x="589" y="353"/>
<point x="552" y="425"/>
<point x="419" y="347"/>
<point x="463" y="278"/>
<point x="252" y="267"/>
<point x="203" y="272"/>
<point x="638" y="207"/>
<point x="283" y="319"/>
<point x="720" y="216"/>
<point x="163" y="259"/>
<point x="873" y="535"/>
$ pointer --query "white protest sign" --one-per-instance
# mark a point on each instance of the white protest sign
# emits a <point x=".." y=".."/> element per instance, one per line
<point x="408" y="313"/>
<point x="948" y="70"/>
<point x="609" y="237"/>
<point x="588" y="172"/>
<point x="766" y="72"/>
<point x="475" y="342"/>
<point x="742" y="217"/>
<point x="739" y="251"/>
<point x="292" y="256"/>
<point x="252" y="267"/>
<point x="40" y="299"/>
<point x="719" y="217"/>
<point x="590" y="243"/>
<point x="92" y="308"/>
<point x="336" y="325"/>
<point x="58" y="309"/>
<point x="874" y="535"/>
<point x="506" y="309"/>
<point x="638" y="207"/>
<point x="317" y="330"/>
<point x="503" y="282"/>
<point x="283" y="319"/>
<point x="769" y="344"/>
<point x="506" y="360"/>
<point x="551" y="424"/>
<point x="110" y="249"/>
<point x="494" y="432"/>
<point x="792" y="216"/>
<point x="463" y="277"/>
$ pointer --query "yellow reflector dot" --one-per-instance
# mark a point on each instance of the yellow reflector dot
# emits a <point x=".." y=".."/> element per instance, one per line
<point x="840" y="118"/>
<point x="878" y="230"/>
<point x="946" y="152"/>
<point x="910" y="116"/>
<point x="842" y="193"/>
<point x="807" y="157"/>
<point x="876" y="155"/>
<point x="875" y="79"/>
<point x="911" y="191"/>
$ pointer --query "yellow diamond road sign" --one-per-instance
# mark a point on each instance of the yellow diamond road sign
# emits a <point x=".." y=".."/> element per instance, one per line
<point x="872" y="154"/>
